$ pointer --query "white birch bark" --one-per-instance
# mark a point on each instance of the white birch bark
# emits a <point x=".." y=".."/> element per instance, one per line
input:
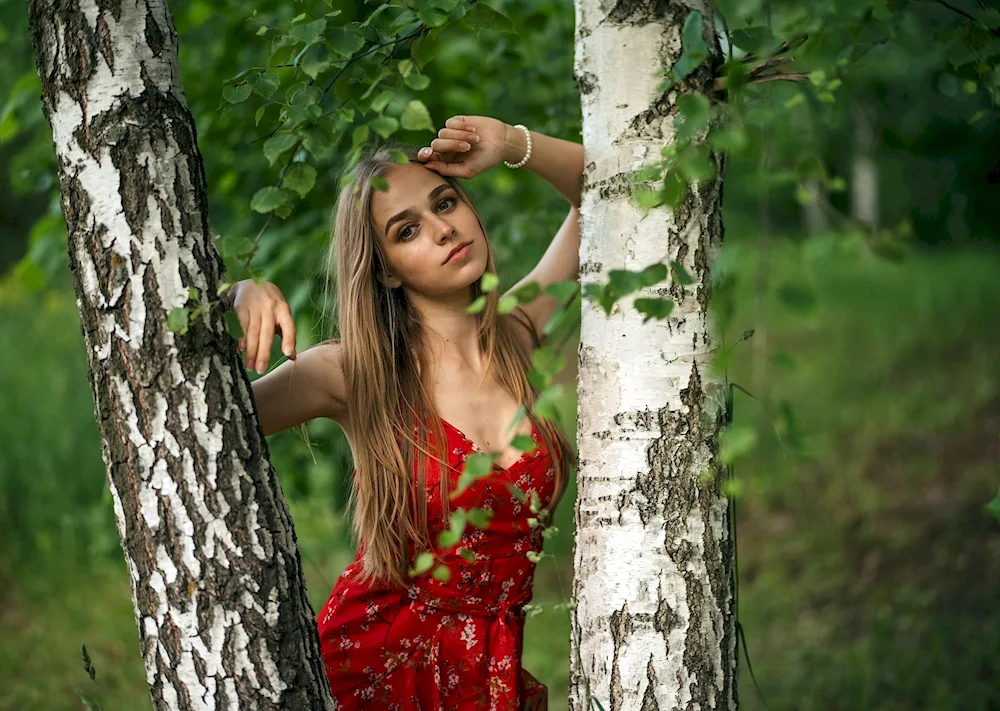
<point x="654" y="624"/>
<point x="864" y="170"/>
<point x="223" y="617"/>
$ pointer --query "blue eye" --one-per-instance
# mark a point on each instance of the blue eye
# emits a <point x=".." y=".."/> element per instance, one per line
<point x="405" y="233"/>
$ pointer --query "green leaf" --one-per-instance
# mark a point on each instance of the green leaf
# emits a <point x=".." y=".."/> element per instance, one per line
<point x="562" y="290"/>
<point x="298" y="115"/>
<point x="524" y="443"/>
<point x="517" y="493"/>
<point x="477" y="305"/>
<point x="425" y="49"/>
<point x="278" y="144"/>
<point x="381" y="101"/>
<point x="693" y="110"/>
<point x="447" y="539"/>
<point x="695" y="49"/>
<point x="258" y="115"/>
<point x="506" y="304"/>
<point x="546" y="406"/>
<point x="268" y="199"/>
<point x="467" y="554"/>
<point x="416" y="117"/>
<point x="442" y="573"/>
<point x="236" y="94"/>
<point x="346" y="40"/>
<point x="417" y="82"/>
<point x="478" y="465"/>
<point x="680" y="274"/>
<point x="489" y="282"/>
<point x="384" y="126"/>
<point x="308" y="32"/>
<point x="300" y="177"/>
<point x="380" y="183"/>
<point x="527" y="293"/>
<point x="405" y="67"/>
<point x="264" y="83"/>
<point x="548" y="360"/>
<point x="432" y="17"/>
<point x="736" y="441"/>
<point x="316" y="61"/>
<point x="480" y="518"/>
<point x="674" y="188"/>
<point x="422" y="564"/>
<point x="359" y="136"/>
<point x="177" y="320"/>
<point x="993" y="508"/>
<point x="483" y="17"/>
<point x="233" y="326"/>
<point x="654" y="308"/>
<point x="754" y="40"/>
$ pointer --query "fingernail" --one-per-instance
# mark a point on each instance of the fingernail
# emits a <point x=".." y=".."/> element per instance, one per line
<point x="465" y="146"/>
<point x="475" y="139"/>
<point x="250" y="364"/>
<point x="260" y="370"/>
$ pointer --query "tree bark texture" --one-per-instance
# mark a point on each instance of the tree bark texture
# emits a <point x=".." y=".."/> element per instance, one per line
<point x="223" y="617"/>
<point x="654" y="623"/>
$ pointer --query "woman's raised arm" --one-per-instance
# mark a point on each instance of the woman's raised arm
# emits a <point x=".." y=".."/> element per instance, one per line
<point x="302" y="388"/>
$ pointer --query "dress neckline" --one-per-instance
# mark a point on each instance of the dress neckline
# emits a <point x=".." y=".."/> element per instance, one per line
<point x="476" y="448"/>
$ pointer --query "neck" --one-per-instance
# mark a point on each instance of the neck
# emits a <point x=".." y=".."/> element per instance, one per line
<point x="450" y="334"/>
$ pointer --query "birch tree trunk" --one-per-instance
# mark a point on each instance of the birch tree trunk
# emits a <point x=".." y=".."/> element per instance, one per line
<point x="654" y="624"/>
<point x="223" y="617"/>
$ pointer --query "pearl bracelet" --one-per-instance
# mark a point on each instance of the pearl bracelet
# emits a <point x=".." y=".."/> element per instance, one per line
<point x="527" y="135"/>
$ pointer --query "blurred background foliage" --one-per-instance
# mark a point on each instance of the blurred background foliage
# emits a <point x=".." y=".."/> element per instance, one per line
<point x="861" y="248"/>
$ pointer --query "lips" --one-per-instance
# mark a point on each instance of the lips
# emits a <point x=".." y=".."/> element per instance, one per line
<point x="456" y="250"/>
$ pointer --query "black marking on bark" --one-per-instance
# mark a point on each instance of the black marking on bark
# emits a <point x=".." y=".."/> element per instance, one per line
<point x="104" y="42"/>
<point x="621" y="628"/>
<point x="113" y="6"/>
<point x="589" y="267"/>
<point x="648" y="125"/>
<point x="616" y="186"/>
<point x="587" y="82"/>
<point x="641" y="12"/>
<point x="154" y="35"/>
<point x="649" y="696"/>
<point x="665" y="620"/>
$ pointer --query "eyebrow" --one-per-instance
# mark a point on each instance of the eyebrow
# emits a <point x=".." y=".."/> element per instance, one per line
<point x="408" y="212"/>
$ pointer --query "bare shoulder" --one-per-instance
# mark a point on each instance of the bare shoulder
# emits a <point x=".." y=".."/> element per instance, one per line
<point x="524" y="329"/>
<point x="324" y="367"/>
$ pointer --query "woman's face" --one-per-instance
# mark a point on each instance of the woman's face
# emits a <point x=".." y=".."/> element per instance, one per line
<point x="431" y="237"/>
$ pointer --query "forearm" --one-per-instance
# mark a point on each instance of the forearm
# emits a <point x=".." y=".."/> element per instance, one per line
<point x="559" y="162"/>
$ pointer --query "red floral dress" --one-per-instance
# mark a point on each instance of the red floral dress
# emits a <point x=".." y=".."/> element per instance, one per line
<point x="455" y="645"/>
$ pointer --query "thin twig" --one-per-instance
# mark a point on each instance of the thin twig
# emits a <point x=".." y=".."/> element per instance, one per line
<point x="967" y="16"/>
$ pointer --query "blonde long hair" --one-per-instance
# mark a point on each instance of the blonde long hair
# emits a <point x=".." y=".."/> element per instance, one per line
<point x="389" y="404"/>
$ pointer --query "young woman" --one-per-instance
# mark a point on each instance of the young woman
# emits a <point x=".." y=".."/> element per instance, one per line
<point x="419" y="384"/>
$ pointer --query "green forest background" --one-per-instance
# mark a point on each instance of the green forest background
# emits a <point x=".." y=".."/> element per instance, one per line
<point x="865" y="462"/>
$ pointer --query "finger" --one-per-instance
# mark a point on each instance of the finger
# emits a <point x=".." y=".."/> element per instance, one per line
<point x="241" y="344"/>
<point x="455" y="122"/>
<point x="450" y="145"/>
<point x="266" y="339"/>
<point x="287" y="326"/>
<point x="458" y="135"/>
<point x="253" y="332"/>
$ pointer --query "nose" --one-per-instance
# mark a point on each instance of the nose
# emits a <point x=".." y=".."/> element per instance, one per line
<point x="442" y="228"/>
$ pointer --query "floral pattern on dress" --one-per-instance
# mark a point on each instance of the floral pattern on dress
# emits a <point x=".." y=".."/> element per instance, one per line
<point x="455" y="645"/>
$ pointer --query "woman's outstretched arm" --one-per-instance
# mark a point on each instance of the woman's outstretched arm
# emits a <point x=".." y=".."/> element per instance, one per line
<point x="302" y="388"/>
